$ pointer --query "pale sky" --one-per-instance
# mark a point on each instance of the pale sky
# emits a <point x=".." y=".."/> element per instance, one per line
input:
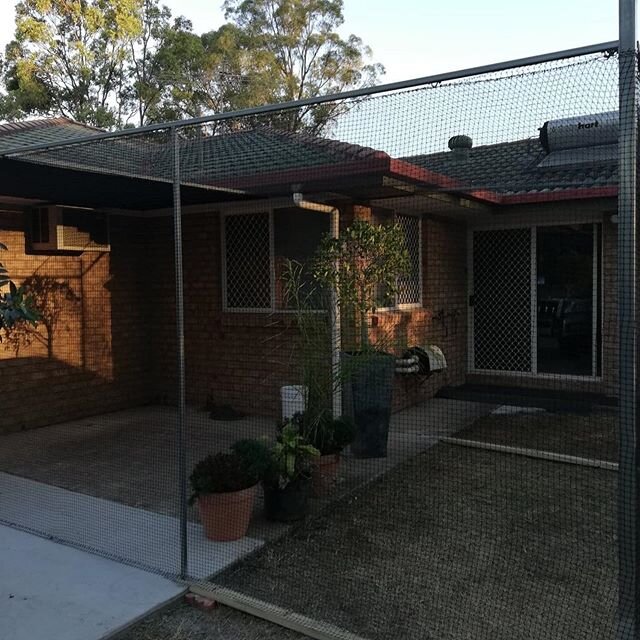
<point x="414" y="38"/>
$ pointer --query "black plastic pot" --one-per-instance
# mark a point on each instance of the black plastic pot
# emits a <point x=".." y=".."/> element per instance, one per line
<point x="288" y="504"/>
<point x="367" y="396"/>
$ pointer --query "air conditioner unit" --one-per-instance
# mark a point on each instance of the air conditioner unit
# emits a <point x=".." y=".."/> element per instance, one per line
<point x="55" y="228"/>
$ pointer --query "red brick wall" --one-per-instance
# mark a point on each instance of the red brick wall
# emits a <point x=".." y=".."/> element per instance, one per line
<point x="240" y="359"/>
<point x="443" y="296"/>
<point x="117" y="347"/>
<point x="243" y="359"/>
<point x="97" y="360"/>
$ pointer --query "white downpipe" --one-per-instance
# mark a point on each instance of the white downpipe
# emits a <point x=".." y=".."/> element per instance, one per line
<point x="334" y="311"/>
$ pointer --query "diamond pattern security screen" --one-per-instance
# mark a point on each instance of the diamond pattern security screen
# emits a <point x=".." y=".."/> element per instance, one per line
<point x="410" y="287"/>
<point x="502" y="300"/>
<point x="248" y="266"/>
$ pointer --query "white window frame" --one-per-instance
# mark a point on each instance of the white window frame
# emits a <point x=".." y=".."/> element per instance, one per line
<point x="406" y="306"/>
<point x="532" y="225"/>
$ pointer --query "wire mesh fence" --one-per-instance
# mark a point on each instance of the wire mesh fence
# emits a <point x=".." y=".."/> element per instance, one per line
<point x="399" y="341"/>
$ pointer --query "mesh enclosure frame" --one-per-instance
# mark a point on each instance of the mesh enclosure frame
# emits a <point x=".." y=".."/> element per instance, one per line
<point x="215" y="186"/>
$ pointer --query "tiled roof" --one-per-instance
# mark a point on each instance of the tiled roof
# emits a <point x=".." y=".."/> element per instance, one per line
<point x="236" y="158"/>
<point x="217" y="159"/>
<point x="263" y="150"/>
<point x="511" y="168"/>
<point x="16" y="135"/>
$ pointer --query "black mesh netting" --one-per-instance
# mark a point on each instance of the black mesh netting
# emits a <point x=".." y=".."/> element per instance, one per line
<point x="403" y="323"/>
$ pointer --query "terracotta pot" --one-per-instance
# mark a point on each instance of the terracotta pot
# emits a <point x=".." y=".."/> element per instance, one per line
<point x="226" y="516"/>
<point x="324" y="474"/>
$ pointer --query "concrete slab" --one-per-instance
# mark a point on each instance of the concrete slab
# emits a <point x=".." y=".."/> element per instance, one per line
<point x="142" y="538"/>
<point x="109" y="482"/>
<point x="52" y="592"/>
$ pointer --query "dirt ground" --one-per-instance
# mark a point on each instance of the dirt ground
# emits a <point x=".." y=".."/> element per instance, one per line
<point x="455" y="544"/>
<point x="186" y="623"/>
<point x="592" y="435"/>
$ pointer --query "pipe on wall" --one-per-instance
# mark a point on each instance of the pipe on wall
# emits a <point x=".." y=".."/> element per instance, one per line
<point x="336" y="334"/>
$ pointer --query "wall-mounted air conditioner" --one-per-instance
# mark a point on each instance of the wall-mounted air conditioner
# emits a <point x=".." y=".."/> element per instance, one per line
<point x="56" y="228"/>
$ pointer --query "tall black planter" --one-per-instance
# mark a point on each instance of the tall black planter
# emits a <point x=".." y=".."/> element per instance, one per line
<point x="367" y="394"/>
<point x="288" y="504"/>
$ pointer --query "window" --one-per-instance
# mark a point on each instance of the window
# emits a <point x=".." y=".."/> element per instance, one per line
<point x="247" y="261"/>
<point x="256" y="247"/>
<point x="410" y="287"/>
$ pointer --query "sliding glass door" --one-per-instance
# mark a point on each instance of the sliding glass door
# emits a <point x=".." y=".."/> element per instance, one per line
<point x="536" y="300"/>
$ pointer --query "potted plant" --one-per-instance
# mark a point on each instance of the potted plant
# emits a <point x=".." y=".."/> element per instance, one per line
<point x="287" y="482"/>
<point x="362" y="266"/>
<point x="330" y="437"/>
<point x="224" y="487"/>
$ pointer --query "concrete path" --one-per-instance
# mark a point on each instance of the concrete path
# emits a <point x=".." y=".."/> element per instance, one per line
<point x="49" y="591"/>
<point x="141" y="538"/>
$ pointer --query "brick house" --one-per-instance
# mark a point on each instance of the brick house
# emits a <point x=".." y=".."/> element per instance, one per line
<point x="513" y="247"/>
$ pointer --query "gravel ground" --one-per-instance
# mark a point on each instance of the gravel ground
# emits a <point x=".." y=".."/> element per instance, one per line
<point x="186" y="623"/>
<point x="455" y="544"/>
<point x="587" y="435"/>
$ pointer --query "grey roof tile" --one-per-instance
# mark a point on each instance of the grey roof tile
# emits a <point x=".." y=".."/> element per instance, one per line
<point x="511" y="168"/>
<point x="16" y="135"/>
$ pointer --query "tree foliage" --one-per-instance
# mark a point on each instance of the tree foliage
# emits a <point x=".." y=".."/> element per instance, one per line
<point x="116" y="63"/>
<point x="68" y="58"/>
<point x="302" y="54"/>
<point x="53" y="298"/>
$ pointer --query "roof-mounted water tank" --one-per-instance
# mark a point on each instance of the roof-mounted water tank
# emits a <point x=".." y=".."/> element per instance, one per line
<point x="580" y="131"/>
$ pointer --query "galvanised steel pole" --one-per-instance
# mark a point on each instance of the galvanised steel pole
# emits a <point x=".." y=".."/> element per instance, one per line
<point x="628" y="625"/>
<point x="180" y="426"/>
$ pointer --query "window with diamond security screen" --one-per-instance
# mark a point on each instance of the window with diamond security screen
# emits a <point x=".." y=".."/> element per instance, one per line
<point x="409" y="290"/>
<point x="247" y="262"/>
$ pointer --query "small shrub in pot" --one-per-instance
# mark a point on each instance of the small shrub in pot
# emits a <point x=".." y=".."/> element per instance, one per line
<point x="330" y="437"/>
<point x="224" y="487"/>
<point x="287" y="482"/>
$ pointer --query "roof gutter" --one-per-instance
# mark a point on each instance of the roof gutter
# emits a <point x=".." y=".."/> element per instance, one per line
<point x="334" y="307"/>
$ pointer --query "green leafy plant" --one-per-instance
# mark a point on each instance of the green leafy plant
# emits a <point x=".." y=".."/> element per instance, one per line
<point x="238" y="469"/>
<point x="326" y="434"/>
<point x="291" y="457"/>
<point x="363" y="261"/>
<point x="16" y="306"/>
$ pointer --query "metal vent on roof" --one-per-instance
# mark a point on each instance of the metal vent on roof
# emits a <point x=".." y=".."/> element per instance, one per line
<point x="580" y="140"/>
<point x="460" y="146"/>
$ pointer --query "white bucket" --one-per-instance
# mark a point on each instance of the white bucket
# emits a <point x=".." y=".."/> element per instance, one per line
<point x="294" y="400"/>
